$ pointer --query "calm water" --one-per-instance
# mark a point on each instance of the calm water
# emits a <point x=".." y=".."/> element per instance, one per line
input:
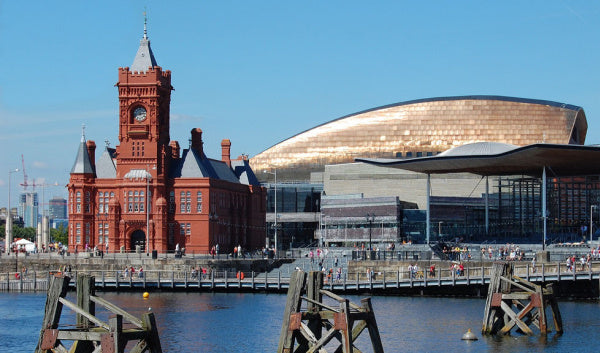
<point x="216" y="322"/>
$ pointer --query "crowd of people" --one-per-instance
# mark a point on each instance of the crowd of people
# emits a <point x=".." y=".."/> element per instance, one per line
<point x="130" y="272"/>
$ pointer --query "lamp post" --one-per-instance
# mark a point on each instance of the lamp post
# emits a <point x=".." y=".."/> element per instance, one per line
<point x="148" y="205"/>
<point x="275" y="174"/>
<point x="440" y="230"/>
<point x="8" y="229"/>
<point x="370" y="219"/>
<point x="45" y="227"/>
<point x="591" y="221"/>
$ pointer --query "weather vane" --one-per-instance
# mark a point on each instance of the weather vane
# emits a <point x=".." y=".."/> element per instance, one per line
<point x="145" y="22"/>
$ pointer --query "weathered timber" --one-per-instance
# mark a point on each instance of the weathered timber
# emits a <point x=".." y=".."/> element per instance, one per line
<point x="92" y="334"/>
<point x="515" y="302"/>
<point x="343" y="322"/>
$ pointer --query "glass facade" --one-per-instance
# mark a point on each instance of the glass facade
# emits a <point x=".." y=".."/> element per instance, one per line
<point x="297" y="209"/>
<point x="515" y="212"/>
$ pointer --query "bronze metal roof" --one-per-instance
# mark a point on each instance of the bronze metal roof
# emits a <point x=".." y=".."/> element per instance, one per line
<point x="425" y="127"/>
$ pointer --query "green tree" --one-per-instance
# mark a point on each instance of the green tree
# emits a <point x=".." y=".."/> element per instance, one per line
<point x="59" y="235"/>
<point x="28" y="233"/>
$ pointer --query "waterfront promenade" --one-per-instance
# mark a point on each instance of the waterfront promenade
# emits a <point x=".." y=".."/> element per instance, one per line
<point x="385" y="272"/>
<point x="472" y="282"/>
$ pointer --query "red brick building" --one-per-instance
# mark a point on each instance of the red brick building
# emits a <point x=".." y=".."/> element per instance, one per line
<point x="147" y="191"/>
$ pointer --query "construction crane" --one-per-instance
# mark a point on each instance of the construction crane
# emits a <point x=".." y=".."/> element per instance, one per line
<point x="25" y="184"/>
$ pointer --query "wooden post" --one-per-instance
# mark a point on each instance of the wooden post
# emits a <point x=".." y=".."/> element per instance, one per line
<point x="58" y="289"/>
<point x="149" y="325"/>
<point x="116" y="329"/>
<point x="292" y="306"/>
<point x="372" y="325"/>
<point x="85" y="289"/>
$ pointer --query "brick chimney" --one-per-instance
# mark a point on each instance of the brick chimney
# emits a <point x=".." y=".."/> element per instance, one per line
<point x="197" y="141"/>
<point x="91" y="149"/>
<point x="226" y="151"/>
<point x="174" y="149"/>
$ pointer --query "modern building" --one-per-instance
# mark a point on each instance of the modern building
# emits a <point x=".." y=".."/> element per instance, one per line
<point x="28" y="208"/>
<point x="150" y="194"/>
<point x="354" y="220"/>
<point x="297" y="213"/>
<point x="423" y="127"/>
<point x="326" y="153"/>
<point x="57" y="208"/>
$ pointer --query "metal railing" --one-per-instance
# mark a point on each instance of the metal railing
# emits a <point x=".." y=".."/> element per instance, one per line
<point x="225" y="279"/>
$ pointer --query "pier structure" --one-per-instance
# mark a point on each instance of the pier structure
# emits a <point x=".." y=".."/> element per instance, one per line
<point x="515" y="302"/>
<point x="444" y="281"/>
<point x="343" y="322"/>
<point x="92" y="334"/>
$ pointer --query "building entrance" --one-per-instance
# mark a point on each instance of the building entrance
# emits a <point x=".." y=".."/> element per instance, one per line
<point x="138" y="238"/>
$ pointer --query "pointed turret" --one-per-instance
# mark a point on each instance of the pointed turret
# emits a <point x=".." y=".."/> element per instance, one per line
<point x="144" y="58"/>
<point x="83" y="163"/>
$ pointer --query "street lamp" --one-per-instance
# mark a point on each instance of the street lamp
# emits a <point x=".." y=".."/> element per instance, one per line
<point x="591" y="219"/>
<point x="8" y="229"/>
<point x="275" y="174"/>
<point x="370" y="219"/>
<point x="148" y="176"/>
<point x="45" y="227"/>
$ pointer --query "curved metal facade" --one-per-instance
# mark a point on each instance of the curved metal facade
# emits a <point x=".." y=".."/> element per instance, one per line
<point x="424" y="127"/>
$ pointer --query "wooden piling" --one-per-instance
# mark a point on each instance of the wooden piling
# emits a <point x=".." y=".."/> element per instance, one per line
<point x="508" y="293"/>
<point x="93" y="334"/>
<point x="343" y="323"/>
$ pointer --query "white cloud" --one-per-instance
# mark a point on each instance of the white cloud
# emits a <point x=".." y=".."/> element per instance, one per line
<point x="40" y="165"/>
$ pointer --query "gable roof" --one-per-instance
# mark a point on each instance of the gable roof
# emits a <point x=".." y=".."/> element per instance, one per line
<point x="105" y="166"/>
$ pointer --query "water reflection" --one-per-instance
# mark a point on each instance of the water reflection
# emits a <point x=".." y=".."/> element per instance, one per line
<point x="219" y="322"/>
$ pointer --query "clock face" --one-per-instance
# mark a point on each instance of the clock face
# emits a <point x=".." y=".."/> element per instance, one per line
<point x="139" y="114"/>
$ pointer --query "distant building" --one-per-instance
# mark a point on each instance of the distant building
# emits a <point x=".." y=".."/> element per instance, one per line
<point x="149" y="193"/>
<point x="354" y="220"/>
<point x="28" y="208"/>
<point x="56" y="223"/>
<point x="58" y="208"/>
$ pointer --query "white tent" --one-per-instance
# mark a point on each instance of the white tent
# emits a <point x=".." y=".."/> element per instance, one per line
<point x="25" y="244"/>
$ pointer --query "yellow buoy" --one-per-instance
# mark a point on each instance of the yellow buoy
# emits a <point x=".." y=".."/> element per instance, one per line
<point x="146" y="295"/>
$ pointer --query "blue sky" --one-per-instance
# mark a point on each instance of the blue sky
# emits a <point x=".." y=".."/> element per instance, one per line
<point x="258" y="72"/>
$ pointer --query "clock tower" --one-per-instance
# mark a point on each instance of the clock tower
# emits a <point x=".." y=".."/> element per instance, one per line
<point x="144" y="104"/>
<point x="149" y="195"/>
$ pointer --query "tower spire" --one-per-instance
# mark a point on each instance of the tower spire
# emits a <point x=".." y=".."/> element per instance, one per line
<point x="145" y="24"/>
<point x="144" y="58"/>
<point x="82" y="132"/>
